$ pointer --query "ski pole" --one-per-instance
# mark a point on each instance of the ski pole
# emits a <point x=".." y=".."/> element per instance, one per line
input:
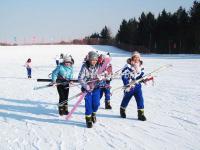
<point x="69" y="99"/>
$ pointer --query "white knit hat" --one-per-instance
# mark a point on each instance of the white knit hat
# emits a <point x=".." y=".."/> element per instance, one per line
<point x="136" y="53"/>
<point x="67" y="58"/>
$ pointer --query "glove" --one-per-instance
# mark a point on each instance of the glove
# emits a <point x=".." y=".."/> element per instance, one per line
<point x="88" y="88"/>
<point x="108" y="78"/>
<point x="100" y="77"/>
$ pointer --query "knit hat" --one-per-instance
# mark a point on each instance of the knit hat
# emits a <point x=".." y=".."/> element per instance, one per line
<point x="136" y="53"/>
<point x="92" y="55"/>
<point x="67" y="58"/>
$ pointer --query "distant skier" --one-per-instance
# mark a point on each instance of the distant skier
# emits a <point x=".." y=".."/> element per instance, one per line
<point x="105" y="89"/>
<point x="57" y="60"/>
<point x="64" y="71"/>
<point x="87" y="73"/>
<point x="133" y="70"/>
<point x="61" y="58"/>
<point x="28" y="66"/>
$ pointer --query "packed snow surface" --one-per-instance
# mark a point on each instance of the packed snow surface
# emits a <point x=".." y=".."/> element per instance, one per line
<point x="29" y="118"/>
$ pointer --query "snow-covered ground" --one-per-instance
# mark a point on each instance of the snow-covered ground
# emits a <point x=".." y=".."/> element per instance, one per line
<point x="29" y="118"/>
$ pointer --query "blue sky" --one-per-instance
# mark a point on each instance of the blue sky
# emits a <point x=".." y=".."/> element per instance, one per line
<point x="69" y="19"/>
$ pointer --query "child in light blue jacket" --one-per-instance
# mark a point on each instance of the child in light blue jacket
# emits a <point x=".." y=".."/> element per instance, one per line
<point x="63" y="72"/>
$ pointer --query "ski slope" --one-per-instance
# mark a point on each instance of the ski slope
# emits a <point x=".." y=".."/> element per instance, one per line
<point x="29" y="119"/>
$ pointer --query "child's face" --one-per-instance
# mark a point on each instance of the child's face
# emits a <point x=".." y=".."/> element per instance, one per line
<point x="67" y="64"/>
<point x="93" y="62"/>
<point x="135" y="59"/>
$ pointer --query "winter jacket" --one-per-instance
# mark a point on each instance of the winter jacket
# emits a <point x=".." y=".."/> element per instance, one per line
<point x="62" y="72"/>
<point x="28" y="65"/>
<point x="107" y="76"/>
<point x="132" y="72"/>
<point x="88" y="73"/>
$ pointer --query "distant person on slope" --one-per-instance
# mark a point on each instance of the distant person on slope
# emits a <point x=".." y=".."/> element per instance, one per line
<point x="57" y="60"/>
<point x="28" y="66"/>
<point x="105" y="89"/>
<point x="61" y="58"/>
<point x="64" y="71"/>
<point x="133" y="70"/>
<point x="89" y="72"/>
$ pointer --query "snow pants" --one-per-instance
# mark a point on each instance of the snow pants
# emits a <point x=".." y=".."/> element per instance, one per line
<point x="137" y="93"/>
<point x="106" y="91"/>
<point x="92" y="101"/>
<point x="28" y="72"/>
<point x="63" y="92"/>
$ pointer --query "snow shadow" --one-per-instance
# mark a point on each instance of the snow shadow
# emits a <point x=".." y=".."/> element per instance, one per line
<point x="28" y="106"/>
<point x="27" y="110"/>
<point x="27" y="101"/>
<point x="108" y="116"/>
<point x="24" y="118"/>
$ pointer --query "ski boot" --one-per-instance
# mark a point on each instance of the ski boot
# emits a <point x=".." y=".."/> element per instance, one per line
<point x="94" y="119"/>
<point x="122" y="112"/>
<point x="63" y="110"/>
<point x="107" y="105"/>
<point x="66" y="112"/>
<point x="88" y="121"/>
<point x="141" y="115"/>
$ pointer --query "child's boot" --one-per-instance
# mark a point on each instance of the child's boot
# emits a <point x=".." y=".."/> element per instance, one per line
<point x="122" y="112"/>
<point x="66" y="110"/>
<point x="61" y="110"/>
<point x="88" y="121"/>
<point x="107" y="105"/>
<point x="141" y="115"/>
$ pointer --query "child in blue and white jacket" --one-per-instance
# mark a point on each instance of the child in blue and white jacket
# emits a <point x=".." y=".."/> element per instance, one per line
<point x="133" y="70"/>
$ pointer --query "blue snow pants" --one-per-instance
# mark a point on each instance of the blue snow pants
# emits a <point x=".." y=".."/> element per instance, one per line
<point x="92" y="101"/>
<point x="28" y="72"/>
<point x="137" y="93"/>
<point x="106" y="91"/>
